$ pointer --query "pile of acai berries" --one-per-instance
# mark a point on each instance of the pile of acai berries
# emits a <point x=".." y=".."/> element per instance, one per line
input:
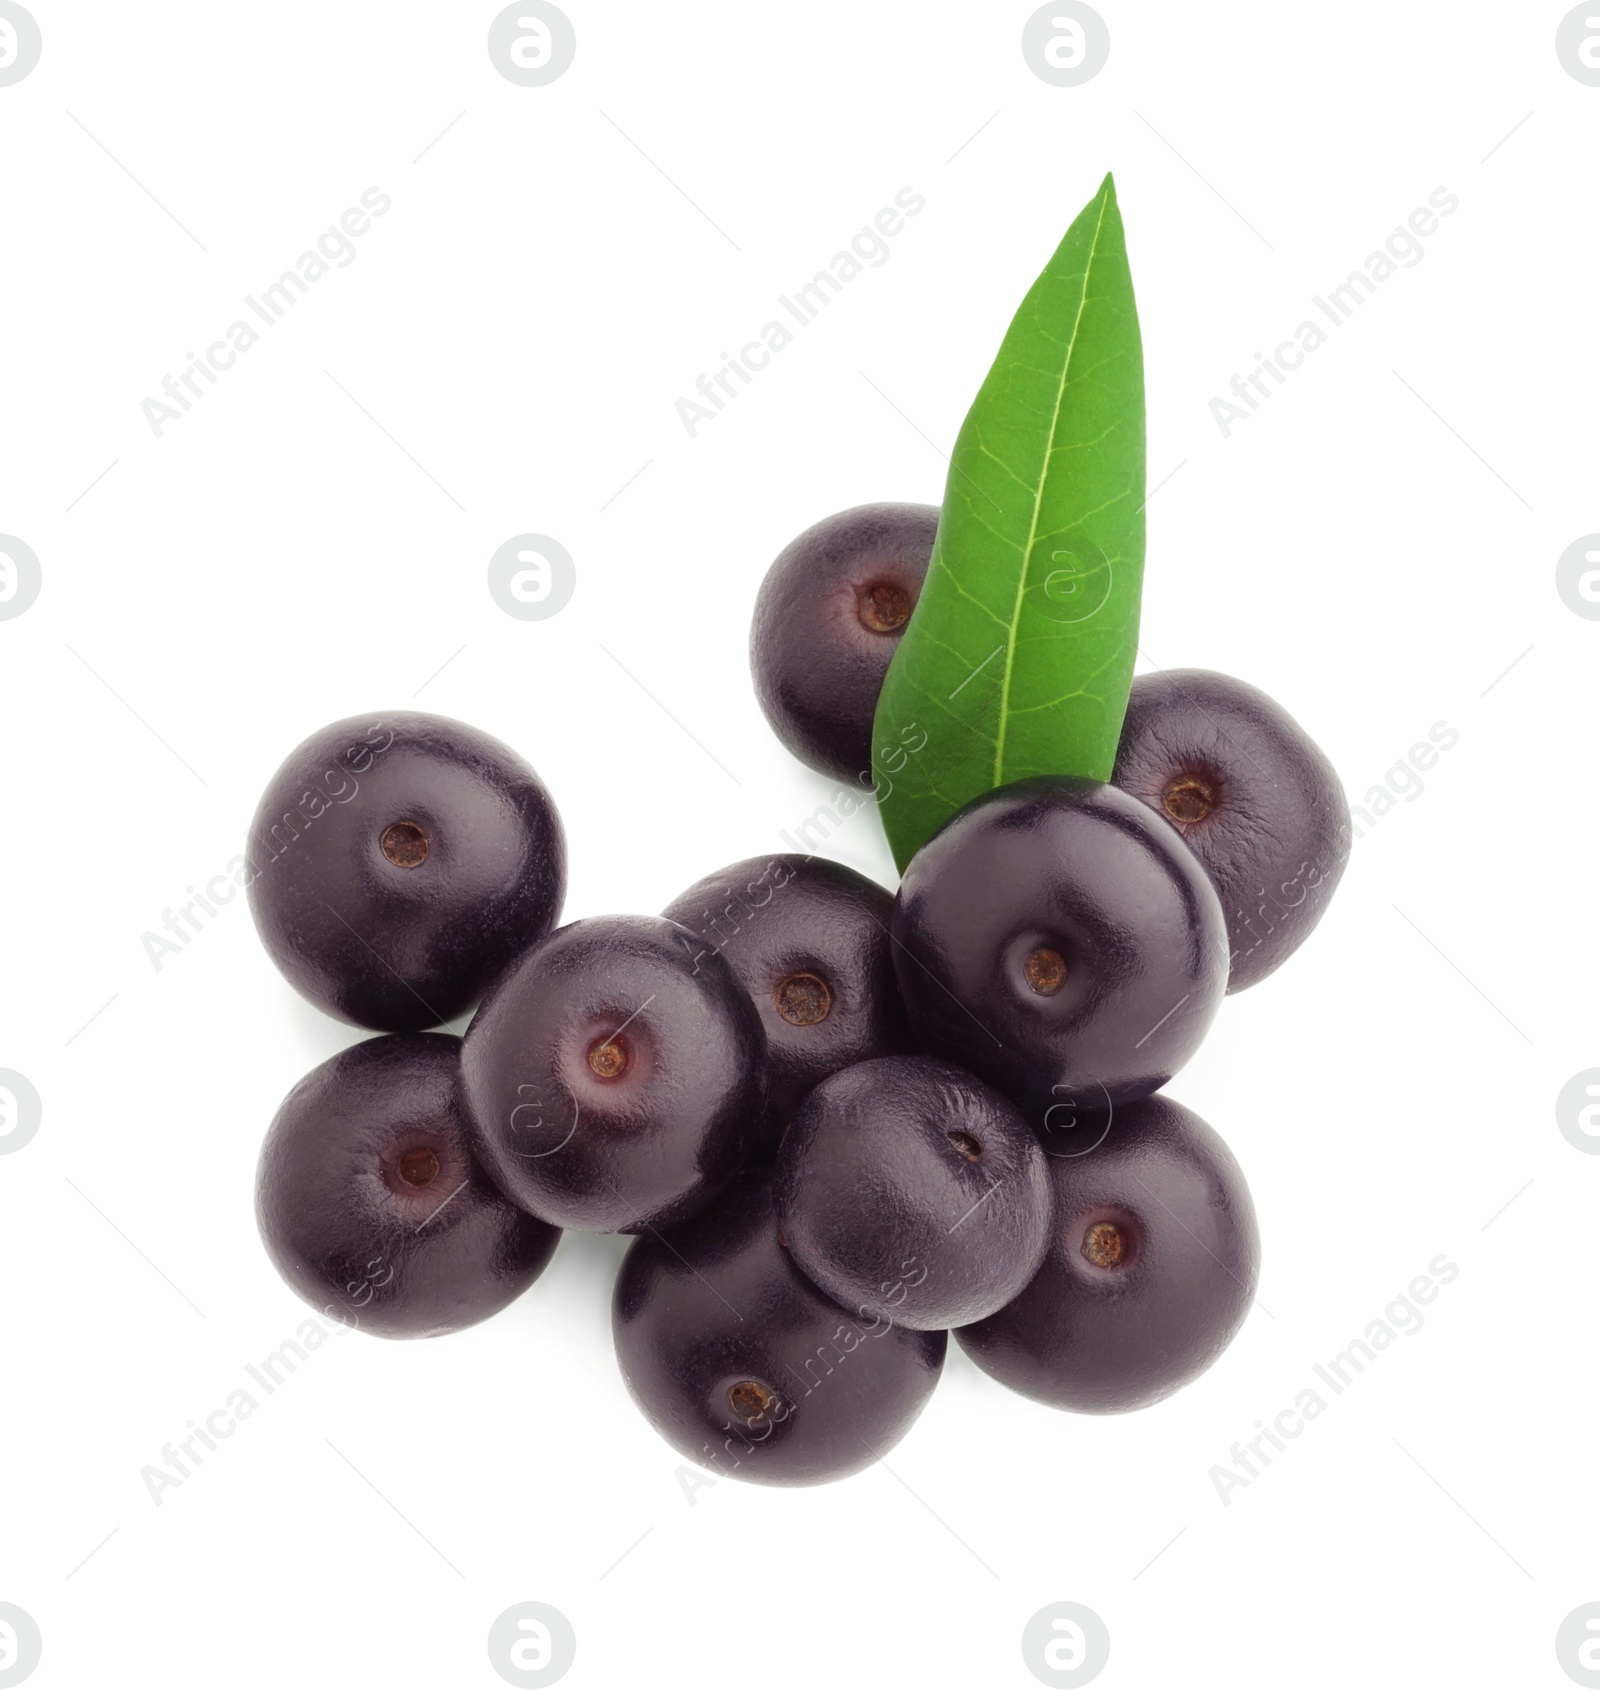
<point x="838" y="1124"/>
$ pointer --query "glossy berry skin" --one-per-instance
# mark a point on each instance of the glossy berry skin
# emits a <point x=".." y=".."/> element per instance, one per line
<point x="909" y="1191"/>
<point x="809" y="941"/>
<point x="1062" y="943"/>
<point x="744" y="1367"/>
<point x="399" y="862"/>
<point x="612" y="1085"/>
<point x="372" y="1205"/>
<point x="1254" y="798"/>
<point x="828" y="618"/>
<point x="1151" y="1269"/>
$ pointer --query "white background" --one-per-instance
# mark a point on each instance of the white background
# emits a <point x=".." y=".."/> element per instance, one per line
<point x="520" y="324"/>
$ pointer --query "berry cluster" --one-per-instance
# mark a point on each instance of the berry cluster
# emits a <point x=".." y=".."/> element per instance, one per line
<point x="840" y="1124"/>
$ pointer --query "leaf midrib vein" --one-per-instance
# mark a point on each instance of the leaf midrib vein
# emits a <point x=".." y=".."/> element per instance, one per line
<point x="1038" y="497"/>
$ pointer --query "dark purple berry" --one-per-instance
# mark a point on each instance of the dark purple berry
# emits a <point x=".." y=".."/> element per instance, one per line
<point x="809" y="941"/>
<point x="743" y="1366"/>
<point x="1062" y="943"/>
<point x="911" y="1192"/>
<point x="1254" y="798"/>
<point x="612" y="1084"/>
<point x="372" y="1206"/>
<point x="399" y="862"/>
<point x="828" y="618"/>
<point x="1151" y="1267"/>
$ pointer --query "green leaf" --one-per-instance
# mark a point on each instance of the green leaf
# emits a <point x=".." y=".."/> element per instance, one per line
<point x="1018" y="657"/>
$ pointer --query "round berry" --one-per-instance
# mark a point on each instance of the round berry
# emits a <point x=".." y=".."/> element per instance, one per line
<point x="1060" y="942"/>
<point x="911" y="1192"/>
<point x="743" y="1365"/>
<point x="372" y="1205"/>
<point x="828" y="618"/>
<point x="1151" y="1266"/>
<point x="1254" y="799"/>
<point x="612" y="1082"/>
<point x="398" y="863"/>
<point x="809" y="942"/>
